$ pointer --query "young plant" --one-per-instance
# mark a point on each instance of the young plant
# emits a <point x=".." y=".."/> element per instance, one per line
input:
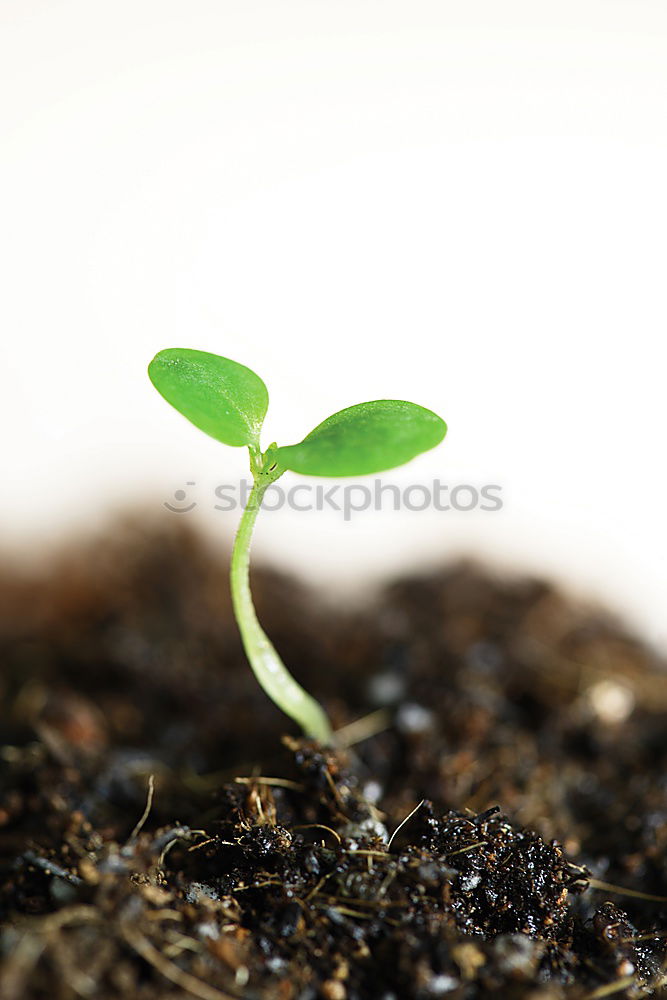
<point x="229" y="402"/>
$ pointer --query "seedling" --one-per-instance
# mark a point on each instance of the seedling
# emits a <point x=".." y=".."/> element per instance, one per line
<point x="229" y="402"/>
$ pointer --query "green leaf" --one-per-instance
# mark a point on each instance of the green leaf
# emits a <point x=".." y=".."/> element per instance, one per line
<point x="366" y="438"/>
<point x="221" y="397"/>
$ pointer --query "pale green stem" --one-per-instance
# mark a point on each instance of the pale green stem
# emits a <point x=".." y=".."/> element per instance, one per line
<point x="268" y="668"/>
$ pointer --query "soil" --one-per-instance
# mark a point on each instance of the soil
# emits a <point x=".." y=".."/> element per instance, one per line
<point x="497" y="827"/>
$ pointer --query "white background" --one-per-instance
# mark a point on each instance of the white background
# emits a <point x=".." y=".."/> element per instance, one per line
<point x="459" y="203"/>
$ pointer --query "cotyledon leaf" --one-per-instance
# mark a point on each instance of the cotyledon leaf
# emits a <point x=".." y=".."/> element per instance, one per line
<point x="221" y="397"/>
<point x="366" y="438"/>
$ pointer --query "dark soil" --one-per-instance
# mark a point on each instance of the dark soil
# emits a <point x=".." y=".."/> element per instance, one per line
<point x="521" y="736"/>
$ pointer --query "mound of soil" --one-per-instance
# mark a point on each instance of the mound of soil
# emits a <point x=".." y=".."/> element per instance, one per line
<point x="496" y="825"/>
